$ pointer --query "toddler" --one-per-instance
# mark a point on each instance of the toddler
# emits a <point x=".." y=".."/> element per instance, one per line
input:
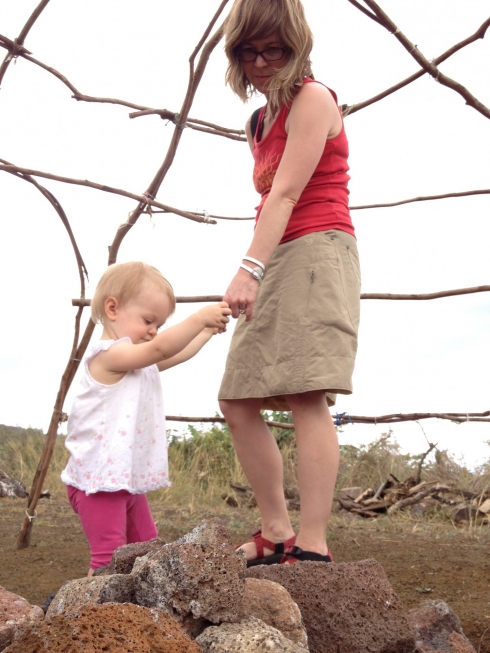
<point x="116" y="429"/>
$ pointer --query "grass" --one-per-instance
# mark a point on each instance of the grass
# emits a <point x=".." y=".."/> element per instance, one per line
<point x="203" y="464"/>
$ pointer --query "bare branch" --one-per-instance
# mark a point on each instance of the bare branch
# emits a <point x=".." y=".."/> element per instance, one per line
<point x="422" y="198"/>
<point x="239" y="132"/>
<point x="341" y="419"/>
<point x="60" y="211"/>
<point x="432" y="295"/>
<point x="184" y="112"/>
<point x="12" y="46"/>
<point x="479" y="34"/>
<point x="108" y="189"/>
<point x="24" y="537"/>
<point x="194" y="299"/>
<point x="424" y="63"/>
<point x="365" y="11"/>
<point x="19" y="41"/>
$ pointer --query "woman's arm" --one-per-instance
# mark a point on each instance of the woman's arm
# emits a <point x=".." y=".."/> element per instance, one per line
<point x="314" y="116"/>
<point x="191" y="350"/>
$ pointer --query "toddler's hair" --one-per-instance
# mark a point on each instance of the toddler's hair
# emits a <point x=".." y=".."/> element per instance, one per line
<point x="123" y="281"/>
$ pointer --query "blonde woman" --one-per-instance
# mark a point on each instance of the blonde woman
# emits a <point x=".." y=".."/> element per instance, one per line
<point x="296" y="291"/>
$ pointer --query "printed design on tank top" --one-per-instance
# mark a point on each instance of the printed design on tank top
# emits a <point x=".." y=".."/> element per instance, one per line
<point x="265" y="170"/>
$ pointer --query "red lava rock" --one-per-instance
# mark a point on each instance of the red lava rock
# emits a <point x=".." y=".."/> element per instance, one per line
<point x="15" y="614"/>
<point x="346" y="608"/>
<point x="107" y="628"/>
<point x="437" y="629"/>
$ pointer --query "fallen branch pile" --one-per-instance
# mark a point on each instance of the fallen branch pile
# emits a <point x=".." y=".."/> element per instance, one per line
<point x="243" y="496"/>
<point x="394" y="495"/>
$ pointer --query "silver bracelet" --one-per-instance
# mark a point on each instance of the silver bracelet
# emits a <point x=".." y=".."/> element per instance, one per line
<point x="253" y="260"/>
<point x="257" y="273"/>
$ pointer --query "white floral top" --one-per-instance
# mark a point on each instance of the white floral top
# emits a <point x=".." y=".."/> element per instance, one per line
<point x="116" y="433"/>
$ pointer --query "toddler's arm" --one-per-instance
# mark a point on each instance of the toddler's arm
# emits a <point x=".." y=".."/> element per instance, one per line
<point x="125" y="356"/>
<point x="191" y="350"/>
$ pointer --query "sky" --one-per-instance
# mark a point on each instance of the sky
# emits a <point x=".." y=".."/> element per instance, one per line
<point x="430" y="356"/>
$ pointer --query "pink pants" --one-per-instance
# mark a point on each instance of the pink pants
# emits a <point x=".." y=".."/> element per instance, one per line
<point x="111" y="519"/>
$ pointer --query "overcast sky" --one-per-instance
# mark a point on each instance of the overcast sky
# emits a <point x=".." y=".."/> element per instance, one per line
<point x="423" y="140"/>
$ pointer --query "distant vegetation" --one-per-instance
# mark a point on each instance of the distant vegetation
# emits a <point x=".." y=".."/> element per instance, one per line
<point x="203" y="463"/>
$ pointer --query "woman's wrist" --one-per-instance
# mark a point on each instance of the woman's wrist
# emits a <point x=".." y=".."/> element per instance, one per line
<point x="246" y="260"/>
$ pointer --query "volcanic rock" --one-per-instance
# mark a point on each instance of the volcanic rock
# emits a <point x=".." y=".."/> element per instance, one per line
<point x="123" y="558"/>
<point x="16" y="614"/>
<point x="199" y="576"/>
<point x="437" y="629"/>
<point x="346" y="608"/>
<point x="249" y="636"/>
<point x="108" y="628"/>
<point x="271" y="603"/>
<point x="117" y="588"/>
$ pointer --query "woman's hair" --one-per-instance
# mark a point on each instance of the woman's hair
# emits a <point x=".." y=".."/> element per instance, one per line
<point x="249" y="20"/>
<point x="124" y="281"/>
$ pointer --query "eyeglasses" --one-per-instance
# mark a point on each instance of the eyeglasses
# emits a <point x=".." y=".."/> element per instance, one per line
<point x="271" y="54"/>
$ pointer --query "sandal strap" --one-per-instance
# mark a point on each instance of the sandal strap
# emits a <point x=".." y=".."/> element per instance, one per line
<point x="277" y="547"/>
<point x="296" y="554"/>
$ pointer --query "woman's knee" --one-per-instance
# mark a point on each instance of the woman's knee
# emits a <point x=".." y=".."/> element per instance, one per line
<point x="306" y="401"/>
<point x="239" y="411"/>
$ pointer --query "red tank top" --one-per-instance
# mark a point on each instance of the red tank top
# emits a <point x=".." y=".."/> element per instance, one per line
<point x="324" y="202"/>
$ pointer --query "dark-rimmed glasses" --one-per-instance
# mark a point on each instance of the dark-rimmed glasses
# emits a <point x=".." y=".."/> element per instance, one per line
<point x="271" y="54"/>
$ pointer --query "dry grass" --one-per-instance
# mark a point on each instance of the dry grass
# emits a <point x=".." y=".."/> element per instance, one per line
<point x="204" y="463"/>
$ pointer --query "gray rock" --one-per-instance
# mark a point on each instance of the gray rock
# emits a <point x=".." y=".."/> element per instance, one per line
<point x="117" y="588"/>
<point x="197" y="577"/>
<point x="346" y="608"/>
<point x="271" y="603"/>
<point x="124" y="557"/>
<point x="16" y="615"/>
<point x="249" y="636"/>
<point x="437" y="628"/>
<point x="11" y="487"/>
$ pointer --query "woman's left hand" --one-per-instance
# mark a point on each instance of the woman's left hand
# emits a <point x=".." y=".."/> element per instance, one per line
<point x="241" y="294"/>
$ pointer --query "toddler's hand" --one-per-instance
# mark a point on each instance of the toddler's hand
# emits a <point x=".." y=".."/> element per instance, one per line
<point x="215" y="316"/>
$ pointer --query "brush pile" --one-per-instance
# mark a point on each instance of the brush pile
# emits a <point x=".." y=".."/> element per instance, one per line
<point x="394" y="495"/>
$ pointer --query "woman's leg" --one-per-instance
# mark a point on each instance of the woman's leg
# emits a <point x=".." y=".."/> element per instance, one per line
<point x="261" y="461"/>
<point x="318" y="461"/>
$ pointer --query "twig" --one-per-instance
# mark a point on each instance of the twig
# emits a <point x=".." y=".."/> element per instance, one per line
<point x="479" y="34"/>
<point x="15" y="49"/>
<point x="423" y="198"/>
<point x="408" y="501"/>
<point x="424" y="63"/>
<point x="384" y="419"/>
<point x="108" y="189"/>
<point x="191" y="299"/>
<point x="421" y="462"/>
<point x="195" y="77"/>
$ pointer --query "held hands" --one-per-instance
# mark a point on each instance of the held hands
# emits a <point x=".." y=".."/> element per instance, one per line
<point x="241" y="294"/>
<point x="215" y="317"/>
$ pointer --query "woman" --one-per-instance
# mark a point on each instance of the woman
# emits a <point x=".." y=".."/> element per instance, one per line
<point x="295" y="342"/>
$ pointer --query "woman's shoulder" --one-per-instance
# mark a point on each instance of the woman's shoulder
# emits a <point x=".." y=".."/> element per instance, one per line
<point x="314" y="89"/>
<point x="313" y="96"/>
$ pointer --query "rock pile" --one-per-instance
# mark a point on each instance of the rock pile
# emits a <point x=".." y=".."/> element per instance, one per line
<point x="196" y="594"/>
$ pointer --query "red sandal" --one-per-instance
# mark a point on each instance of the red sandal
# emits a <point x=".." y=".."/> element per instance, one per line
<point x="279" y="549"/>
<point x="294" y="554"/>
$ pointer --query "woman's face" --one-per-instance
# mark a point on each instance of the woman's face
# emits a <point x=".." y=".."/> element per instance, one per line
<point x="260" y="71"/>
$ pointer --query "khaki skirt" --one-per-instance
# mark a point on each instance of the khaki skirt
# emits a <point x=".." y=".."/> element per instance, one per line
<point x="303" y="331"/>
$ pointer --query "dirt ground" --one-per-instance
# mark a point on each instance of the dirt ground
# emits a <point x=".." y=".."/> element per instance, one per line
<point x="423" y="560"/>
